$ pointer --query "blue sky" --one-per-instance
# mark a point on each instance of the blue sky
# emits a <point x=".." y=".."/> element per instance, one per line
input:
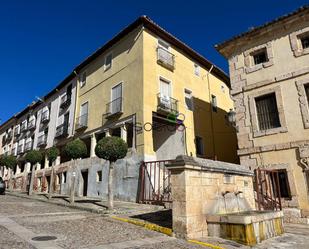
<point x="43" y="40"/>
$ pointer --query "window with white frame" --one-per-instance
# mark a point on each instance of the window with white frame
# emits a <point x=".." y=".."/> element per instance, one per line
<point x="163" y="44"/>
<point x="197" y="70"/>
<point x="82" y="79"/>
<point x="108" y="61"/>
<point x="189" y="99"/>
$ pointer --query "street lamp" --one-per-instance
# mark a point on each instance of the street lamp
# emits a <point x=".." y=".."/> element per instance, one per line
<point x="231" y="117"/>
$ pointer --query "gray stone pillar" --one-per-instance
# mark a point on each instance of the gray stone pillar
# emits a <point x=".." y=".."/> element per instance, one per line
<point x="93" y="145"/>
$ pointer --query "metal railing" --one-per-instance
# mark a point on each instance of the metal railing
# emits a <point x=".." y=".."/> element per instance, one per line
<point x="62" y="130"/>
<point x="31" y="124"/>
<point x="45" y="116"/>
<point x="17" y="131"/>
<point x="65" y="100"/>
<point x="28" y="146"/>
<point x="114" y="107"/>
<point x="165" y="58"/>
<point x="167" y="104"/>
<point x="20" y="149"/>
<point x="82" y="121"/>
<point x="42" y="140"/>
<point x="23" y="127"/>
<point x="155" y="183"/>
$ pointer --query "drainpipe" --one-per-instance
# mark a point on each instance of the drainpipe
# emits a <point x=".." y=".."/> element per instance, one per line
<point x="211" y="114"/>
<point x="75" y="107"/>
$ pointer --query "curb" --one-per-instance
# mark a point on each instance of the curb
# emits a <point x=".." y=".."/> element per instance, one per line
<point x="197" y="242"/>
<point x="149" y="226"/>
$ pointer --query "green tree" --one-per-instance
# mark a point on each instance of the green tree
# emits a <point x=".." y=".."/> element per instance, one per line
<point x="52" y="154"/>
<point x="9" y="161"/>
<point x="33" y="157"/>
<point x="111" y="149"/>
<point x="76" y="149"/>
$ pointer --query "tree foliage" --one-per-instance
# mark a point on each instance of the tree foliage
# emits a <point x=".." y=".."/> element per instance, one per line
<point x="76" y="149"/>
<point x="9" y="161"/>
<point x="33" y="157"/>
<point x="52" y="154"/>
<point x="111" y="148"/>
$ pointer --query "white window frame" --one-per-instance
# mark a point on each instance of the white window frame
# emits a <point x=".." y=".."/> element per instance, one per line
<point x="106" y="67"/>
<point x="197" y="69"/>
<point x="81" y="82"/>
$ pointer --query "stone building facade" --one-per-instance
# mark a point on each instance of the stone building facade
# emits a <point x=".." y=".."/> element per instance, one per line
<point x="269" y="70"/>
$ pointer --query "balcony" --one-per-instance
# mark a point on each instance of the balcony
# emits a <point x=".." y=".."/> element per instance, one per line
<point x="17" y="131"/>
<point x="65" y="101"/>
<point x="28" y="146"/>
<point x="42" y="140"/>
<point x="31" y="124"/>
<point x="62" y="131"/>
<point x="165" y="58"/>
<point x="114" y="108"/>
<point x="20" y="149"/>
<point x="23" y="127"/>
<point x="45" y="116"/>
<point x="82" y="122"/>
<point x="167" y="104"/>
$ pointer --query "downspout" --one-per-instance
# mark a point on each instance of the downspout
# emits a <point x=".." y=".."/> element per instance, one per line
<point x="75" y="107"/>
<point x="211" y="114"/>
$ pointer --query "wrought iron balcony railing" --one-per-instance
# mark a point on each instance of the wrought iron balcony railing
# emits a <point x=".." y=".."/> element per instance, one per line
<point x="28" y="146"/>
<point x="23" y="127"/>
<point x="16" y="131"/>
<point x="65" y="100"/>
<point x="167" y="104"/>
<point x="82" y="122"/>
<point x="114" y="107"/>
<point x="31" y="124"/>
<point x="42" y="140"/>
<point x="20" y="149"/>
<point x="45" y="116"/>
<point x="62" y="130"/>
<point x="165" y="58"/>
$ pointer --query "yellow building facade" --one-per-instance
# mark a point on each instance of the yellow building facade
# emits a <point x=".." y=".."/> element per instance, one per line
<point x="156" y="93"/>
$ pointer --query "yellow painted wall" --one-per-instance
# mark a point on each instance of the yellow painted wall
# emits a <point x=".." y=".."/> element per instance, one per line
<point x="183" y="77"/>
<point x="135" y="64"/>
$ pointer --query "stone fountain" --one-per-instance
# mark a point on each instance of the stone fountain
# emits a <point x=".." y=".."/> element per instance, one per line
<point x="213" y="198"/>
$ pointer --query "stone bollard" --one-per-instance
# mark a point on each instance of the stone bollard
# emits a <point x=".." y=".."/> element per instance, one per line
<point x="72" y="188"/>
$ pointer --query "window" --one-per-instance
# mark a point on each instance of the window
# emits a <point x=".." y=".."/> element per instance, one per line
<point x="199" y="146"/>
<point x="214" y="103"/>
<point x="108" y="61"/>
<point x="116" y="132"/>
<point x="283" y="183"/>
<point x="196" y="70"/>
<point x="307" y="92"/>
<point x="260" y="57"/>
<point x="99" y="176"/>
<point x="163" y="44"/>
<point x="188" y="99"/>
<point x="130" y="133"/>
<point x="82" y="79"/>
<point x="305" y="42"/>
<point x="116" y="104"/>
<point x="267" y="112"/>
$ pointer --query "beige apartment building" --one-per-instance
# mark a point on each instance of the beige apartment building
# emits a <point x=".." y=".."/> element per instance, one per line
<point x="269" y="69"/>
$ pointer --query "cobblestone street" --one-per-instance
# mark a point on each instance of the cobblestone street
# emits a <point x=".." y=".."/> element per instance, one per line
<point x="23" y="219"/>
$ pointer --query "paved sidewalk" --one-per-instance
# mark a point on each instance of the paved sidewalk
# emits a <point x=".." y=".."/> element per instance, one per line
<point x="95" y="205"/>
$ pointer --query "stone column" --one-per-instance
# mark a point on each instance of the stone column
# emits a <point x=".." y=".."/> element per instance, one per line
<point x="124" y="133"/>
<point x="27" y="167"/>
<point x="17" y="169"/>
<point x="46" y="163"/>
<point x="93" y="145"/>
<point x="107" y="133"/>
<point x="58" y="160"/>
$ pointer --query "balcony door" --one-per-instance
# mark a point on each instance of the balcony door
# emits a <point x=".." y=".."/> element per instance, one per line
<point x="116" y="98"/>
<point x="83" y="114"/>
<point x="165" y="93"/>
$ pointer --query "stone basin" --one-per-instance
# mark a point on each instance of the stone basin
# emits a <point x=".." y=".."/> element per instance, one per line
<point x="248" y="227"/>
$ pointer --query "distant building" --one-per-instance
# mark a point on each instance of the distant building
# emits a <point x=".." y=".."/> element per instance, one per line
<point x="269" y="70"/>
